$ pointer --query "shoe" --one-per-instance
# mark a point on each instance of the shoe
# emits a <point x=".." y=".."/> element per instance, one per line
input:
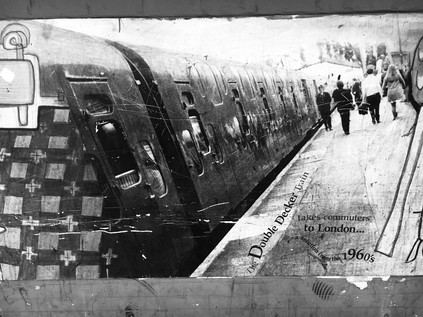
<point x="378" y="121"/>
<point x="347" y="133"/>
<point x="373" y="121"/>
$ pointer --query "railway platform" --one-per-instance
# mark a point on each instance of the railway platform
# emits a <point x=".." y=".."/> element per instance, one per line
<point x="346" y="205"/>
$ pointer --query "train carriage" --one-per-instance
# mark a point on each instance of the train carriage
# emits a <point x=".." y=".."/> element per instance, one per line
<point x="116" y="159"/>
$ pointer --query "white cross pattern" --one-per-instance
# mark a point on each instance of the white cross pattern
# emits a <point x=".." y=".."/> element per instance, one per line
<point x="37" y="155"/>
<point x="109" y="256"/>
<point x="32" y="186"/>
<point x="30" y="222"/>
<point x="28" y="253"/>
<point x="67" y="257"/>
<point x="72" y="188"/>
<point x="3" y="154"/>
<point x="69" y="222"/>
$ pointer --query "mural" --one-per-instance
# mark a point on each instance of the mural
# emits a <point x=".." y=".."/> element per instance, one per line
<point x="129" y="155"/>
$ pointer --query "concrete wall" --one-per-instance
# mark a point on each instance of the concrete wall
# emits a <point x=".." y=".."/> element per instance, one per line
<point x="283" y="297"/>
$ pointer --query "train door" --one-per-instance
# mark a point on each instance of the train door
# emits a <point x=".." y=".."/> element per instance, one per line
<point x="297" y="116"/>
<point x="204" y="156"/>
<point x="95" y="109"/>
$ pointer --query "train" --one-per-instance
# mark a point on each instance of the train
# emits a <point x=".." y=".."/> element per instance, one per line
<point x="116" y="159"/>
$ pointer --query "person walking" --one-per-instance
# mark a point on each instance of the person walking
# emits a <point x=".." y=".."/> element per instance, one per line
<point x="356" y="92"/>
<point x="344" y="103"/>
<point x="323" y="100"/>
<point x="395" y="83"/>
<point x="372" y="94"/>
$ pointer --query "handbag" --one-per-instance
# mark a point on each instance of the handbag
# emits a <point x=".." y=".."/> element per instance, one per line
<point x="363" y="108"/>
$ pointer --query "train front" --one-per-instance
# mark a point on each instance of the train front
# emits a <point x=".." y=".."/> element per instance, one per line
<point x="79" y="173"/>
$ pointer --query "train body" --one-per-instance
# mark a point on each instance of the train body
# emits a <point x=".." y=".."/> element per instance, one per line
<point x="115" y="159"/>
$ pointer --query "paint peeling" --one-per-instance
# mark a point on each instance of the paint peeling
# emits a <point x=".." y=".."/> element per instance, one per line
<point x="361" y="281"/>
<point x="7" y="75"/>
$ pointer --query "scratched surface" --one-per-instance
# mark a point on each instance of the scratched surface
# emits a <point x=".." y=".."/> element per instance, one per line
<point x="195" y="8"/>
<point x="250" y="297"/>
<point x="396" y="296"/>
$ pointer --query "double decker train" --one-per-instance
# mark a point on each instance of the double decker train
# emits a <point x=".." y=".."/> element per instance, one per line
<point x="115" y="159"/>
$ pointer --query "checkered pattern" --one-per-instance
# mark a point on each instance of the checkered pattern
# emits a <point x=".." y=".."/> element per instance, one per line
<point x="47" y="214"/>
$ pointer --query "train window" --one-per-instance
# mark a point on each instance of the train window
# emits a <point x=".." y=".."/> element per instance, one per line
<point x="153" y="172"/>
<point x="245" y="126"/>
<point x="118" y="153"/>
<point x="217" y="151"/>
<point x="268" y="111"/>
<point x="95" y="97"/>
<point x="235" y="93"/>
<point x="239" y="139"/>
<point x="282" y="98"/>
<point x="192" y="152"/>
<point x="199" y="133"/>
<point x="187" y="99"/>
<point x="305" y="90"/>
<point x="98" y="104"/>
<point x="294" y="98"/>
<point x="230" y="137"/>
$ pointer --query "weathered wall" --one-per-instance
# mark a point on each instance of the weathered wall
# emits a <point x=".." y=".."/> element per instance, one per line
<point x="395" y="296"/>
<point x="30" y="9"/>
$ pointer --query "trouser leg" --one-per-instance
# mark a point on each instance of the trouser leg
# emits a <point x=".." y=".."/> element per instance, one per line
<point x="345" y="119"/>
<point x="377" y="106"/>
<point x="394" y="109"/>
<point x="374" y="101"/>
<point x="372" y="112"/>
<point x="328" y="123"/>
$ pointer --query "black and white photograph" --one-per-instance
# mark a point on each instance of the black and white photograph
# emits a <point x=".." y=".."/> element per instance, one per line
<point x="210" y="148"/>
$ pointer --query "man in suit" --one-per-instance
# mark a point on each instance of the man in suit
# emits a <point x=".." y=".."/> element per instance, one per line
<point x="344" y="103"/>
<point x="323" y="101"/>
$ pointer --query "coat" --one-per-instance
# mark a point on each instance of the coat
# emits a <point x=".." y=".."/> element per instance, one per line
<point x="323" y="103"/>
<point x="343" y="100"/>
